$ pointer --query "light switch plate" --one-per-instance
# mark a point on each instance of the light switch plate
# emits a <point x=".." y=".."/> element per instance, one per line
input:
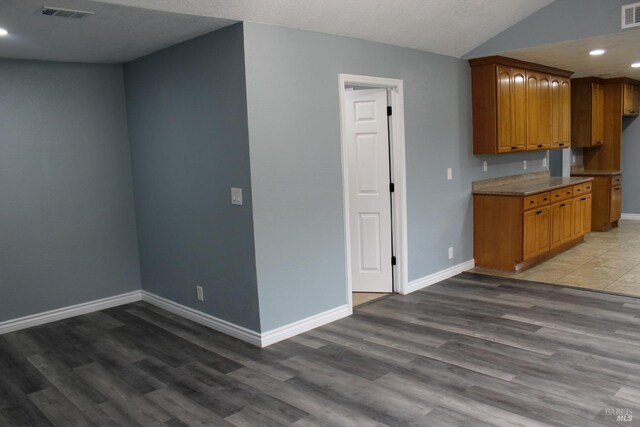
<point x="236" y="196"/>
<point x="544" y="162"/>
<point x="524" y="164"/>
<point x="485" y="167"/>
<point x="449" y="174"/>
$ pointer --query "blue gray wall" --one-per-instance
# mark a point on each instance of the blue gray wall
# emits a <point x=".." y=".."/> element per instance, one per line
<point x="294" y="128"/>
<point x="560" y="21"/>
<point x="67" y="224"/>
<point x="630" y="170"/>
<point x="188" y="130"/>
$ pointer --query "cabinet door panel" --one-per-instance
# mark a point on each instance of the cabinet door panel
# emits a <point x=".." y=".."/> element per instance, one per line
<point x="565" y="127"/>
<point x="597" y="114"/>
<point x="530" y="238"/>
<point x="586" y="216"/>
<point x="505" y="110"/>
<point x="545" y="131"/>
<point x="578" y="216"/>
<point x="533" y="111"/>
<point x="631" y="100"/>
<point x="556" y="112"/>
<point x="567" y="220"/>
<point x="544" y="229"/>
<point x="556" y="225"/>
<point x="615" y="206"/>
<point x="519" y="109"/>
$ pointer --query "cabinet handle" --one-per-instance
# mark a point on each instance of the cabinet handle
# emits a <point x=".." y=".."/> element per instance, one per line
<point x="563" y="205"/>
<point x="540" y="145"/>
<point x="545" y="199"/>
<point x="514" y="148"/>
<point x="538" y="213"/>
<point x="583" y="199"/>
<point x="561" y="144"/>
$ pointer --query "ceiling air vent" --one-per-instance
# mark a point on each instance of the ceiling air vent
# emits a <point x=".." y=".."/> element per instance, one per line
<point x="64" y="13"/>
<point x="631" y="15"/>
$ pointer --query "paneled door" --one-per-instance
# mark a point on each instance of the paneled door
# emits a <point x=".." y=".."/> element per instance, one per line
<point x="369" y="194"/>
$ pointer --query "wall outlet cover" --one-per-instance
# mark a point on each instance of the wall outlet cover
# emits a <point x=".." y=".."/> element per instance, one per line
<point x="200" y="293"/>
<point x="450" y="253"/>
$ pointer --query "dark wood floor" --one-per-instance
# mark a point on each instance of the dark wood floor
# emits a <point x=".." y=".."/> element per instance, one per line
<point x="474" y="350"/>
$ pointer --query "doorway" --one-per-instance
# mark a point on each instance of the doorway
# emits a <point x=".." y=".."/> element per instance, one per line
<point x="374" y="187"/>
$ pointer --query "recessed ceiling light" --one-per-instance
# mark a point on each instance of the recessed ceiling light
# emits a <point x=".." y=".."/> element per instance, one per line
<point x="597" y="52"/>
<point x="636" y="65"/>
<point x="3" y="32"/>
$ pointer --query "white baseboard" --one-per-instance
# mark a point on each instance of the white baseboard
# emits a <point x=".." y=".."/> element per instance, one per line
<point x="252" y="337"/>
<point x="304" y="325"/>
<point x="630" y="217"/>
<point x="66" y="312"/>
<point x="434" y="278"/>
<point x="207" y="320"/>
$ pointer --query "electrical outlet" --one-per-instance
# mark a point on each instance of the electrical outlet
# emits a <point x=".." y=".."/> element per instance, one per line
<point x="544" y="162"/>
<point x="524" y="164"/>
<point x="485" y="167"/>
<point x="573" y="160"/>
<point x="200" y="293"/>
<point x="450" y="253"/>
<point x="449" y="174"/>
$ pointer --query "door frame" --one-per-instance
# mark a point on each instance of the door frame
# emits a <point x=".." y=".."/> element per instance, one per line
<point x="398" y="172"/>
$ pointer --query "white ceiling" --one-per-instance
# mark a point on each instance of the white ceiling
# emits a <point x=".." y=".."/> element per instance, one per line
<point x="622" y="48"/>
<point x="449" y="27"/>
<point x="114" y="34"/>
<point x="117" y="33"/>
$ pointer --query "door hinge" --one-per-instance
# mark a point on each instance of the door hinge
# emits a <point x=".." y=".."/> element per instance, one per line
<point x="389" y="111"/>
<point x="392" y="187"/>
<point x="393" y="260"/>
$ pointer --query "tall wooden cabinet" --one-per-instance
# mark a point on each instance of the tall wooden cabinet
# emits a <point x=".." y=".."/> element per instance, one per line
<point x="519" y="106"/>
<point x="587" y="118"/>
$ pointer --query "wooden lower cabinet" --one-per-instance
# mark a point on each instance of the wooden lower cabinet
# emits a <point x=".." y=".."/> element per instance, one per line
<point x="607" y="202"/>
<point x="514" y="233"/>
<point x="537" y="224"/>
<point x="561" y="223"/>
<point x="615" y="203"/>
<point x="582" y="214"/>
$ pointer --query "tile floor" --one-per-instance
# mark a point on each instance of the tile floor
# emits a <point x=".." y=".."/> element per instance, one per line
<point x="606" y="261"/>
<point x="360" y="298"/>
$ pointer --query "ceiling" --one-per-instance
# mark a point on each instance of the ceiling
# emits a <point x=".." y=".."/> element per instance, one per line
<point x="114" y="34"/>
<point x="121" y="30"/>
<point x="622" y="49"/>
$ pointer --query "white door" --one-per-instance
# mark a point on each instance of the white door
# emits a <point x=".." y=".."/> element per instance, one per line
<point x="367" y="139"/>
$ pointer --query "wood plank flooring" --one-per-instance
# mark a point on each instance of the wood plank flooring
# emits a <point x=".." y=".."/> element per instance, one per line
<point x="473" y="350"/>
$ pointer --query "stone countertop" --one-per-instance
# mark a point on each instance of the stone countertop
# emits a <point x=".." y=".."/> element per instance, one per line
<point x="582" y="172"/>
<point x="531" y="186"/>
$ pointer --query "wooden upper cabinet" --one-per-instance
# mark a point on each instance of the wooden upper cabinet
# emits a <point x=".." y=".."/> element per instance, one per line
<point x="587" y="113"/>
<point x="631" y="100"/>
<point x="538" y="111"/>
<point x="512" y="108"/>
<point x="560" y="112"/>
<point x="516" y="106"/>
